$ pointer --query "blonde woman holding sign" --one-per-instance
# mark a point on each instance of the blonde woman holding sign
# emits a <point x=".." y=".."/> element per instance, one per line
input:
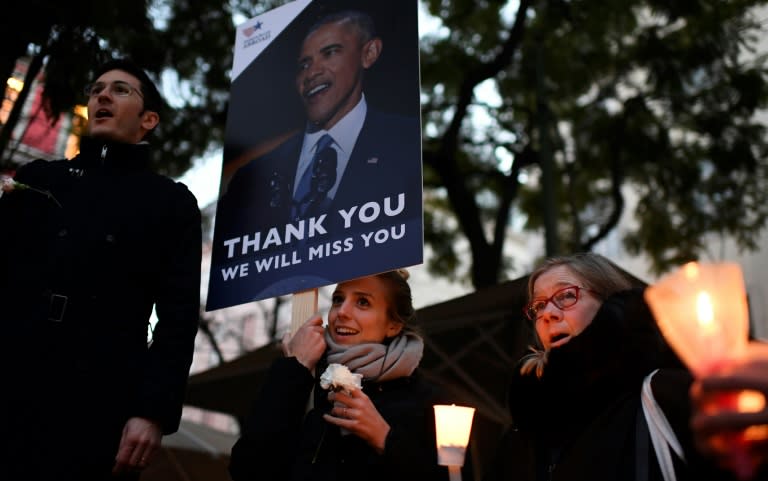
<point x="382" y="430"/>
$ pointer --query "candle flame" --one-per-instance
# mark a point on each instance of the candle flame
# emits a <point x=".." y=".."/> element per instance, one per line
<point x="750" y="401"/>
<point x="705" y="312"/>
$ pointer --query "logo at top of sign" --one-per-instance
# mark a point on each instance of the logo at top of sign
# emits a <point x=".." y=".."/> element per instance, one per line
<point x="256" y="34"/>
<point x="248" y="31"/>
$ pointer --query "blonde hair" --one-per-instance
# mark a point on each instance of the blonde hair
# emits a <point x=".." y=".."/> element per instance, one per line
<point x="595" y="272"/>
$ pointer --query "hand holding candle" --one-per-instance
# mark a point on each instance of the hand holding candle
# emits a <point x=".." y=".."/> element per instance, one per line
<point x="702" y="312"/>
<point x="730" y="410"/>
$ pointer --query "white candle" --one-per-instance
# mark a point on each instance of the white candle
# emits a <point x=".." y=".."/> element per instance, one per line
<point x="452" y="427"/>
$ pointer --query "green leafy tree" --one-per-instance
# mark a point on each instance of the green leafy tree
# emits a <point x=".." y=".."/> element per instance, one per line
<point x="658" y="96"/>
<point x="186" y="45"/>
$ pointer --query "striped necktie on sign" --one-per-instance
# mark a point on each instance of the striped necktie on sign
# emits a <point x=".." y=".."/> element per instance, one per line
<point x="317" y="180"/>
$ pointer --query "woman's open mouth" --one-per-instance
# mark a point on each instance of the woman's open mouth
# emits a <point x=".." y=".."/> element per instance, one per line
<point x="559" y="339"/>
<point x="345" y="331"/>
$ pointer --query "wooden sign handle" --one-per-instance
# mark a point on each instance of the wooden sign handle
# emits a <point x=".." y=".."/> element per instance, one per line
<point x="304" y="306"/>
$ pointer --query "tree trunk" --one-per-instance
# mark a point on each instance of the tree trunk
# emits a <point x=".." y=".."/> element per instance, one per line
<point x="548" y="194"/>
<point x="486" y="256"/>
<point x="205" y="328"/>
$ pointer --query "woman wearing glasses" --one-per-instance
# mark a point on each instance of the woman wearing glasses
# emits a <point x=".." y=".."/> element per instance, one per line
<point x="575" y="400"/>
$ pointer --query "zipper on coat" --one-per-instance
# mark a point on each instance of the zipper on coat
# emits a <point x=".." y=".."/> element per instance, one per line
<point x="554" y="458"/>
<point x="550" y="471"/>
<point x="103" y="154"/>
<point x="319" y="444"/>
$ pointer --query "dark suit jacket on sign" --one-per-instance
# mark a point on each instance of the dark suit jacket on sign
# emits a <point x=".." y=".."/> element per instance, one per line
<point x="385" y="162"/>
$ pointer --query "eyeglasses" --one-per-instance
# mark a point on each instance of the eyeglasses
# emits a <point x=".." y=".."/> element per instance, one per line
<point x="564" y="298"/>
<point x="117" y="88"/>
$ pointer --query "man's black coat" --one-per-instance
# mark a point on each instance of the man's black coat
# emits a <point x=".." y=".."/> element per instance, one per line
<point x="80" y="272"/>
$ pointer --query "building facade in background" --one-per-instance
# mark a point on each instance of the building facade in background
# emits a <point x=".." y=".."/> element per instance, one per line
<point x="36" y="136"/>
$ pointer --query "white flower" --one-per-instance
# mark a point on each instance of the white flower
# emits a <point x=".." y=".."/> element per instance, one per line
<point x="7" y="184"/>
<point x="338" y="377"/>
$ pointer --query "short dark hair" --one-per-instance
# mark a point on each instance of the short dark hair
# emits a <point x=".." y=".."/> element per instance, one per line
<point x="152" y="99"/>
<point x="361" y="21"/>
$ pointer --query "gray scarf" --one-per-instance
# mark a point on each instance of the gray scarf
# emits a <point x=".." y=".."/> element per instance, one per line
<point x="379" y="362"/>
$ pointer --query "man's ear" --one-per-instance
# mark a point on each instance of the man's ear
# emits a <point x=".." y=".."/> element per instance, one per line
<point x="371" y="51"/>
<point x="149" y="120"/>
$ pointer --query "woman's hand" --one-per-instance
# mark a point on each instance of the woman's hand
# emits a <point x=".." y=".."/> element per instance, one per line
<point x="735" y="435"/>
<point x="307" y="344"/>
<point x="355" y="412"/>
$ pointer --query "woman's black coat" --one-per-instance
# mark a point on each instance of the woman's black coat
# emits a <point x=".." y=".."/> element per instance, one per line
<point x="281" y="441"/>
<point x="580" y="420"/>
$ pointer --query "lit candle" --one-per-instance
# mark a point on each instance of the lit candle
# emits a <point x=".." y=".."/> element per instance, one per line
<point x="453" y="425"/>
<point x="701" y="310"/>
